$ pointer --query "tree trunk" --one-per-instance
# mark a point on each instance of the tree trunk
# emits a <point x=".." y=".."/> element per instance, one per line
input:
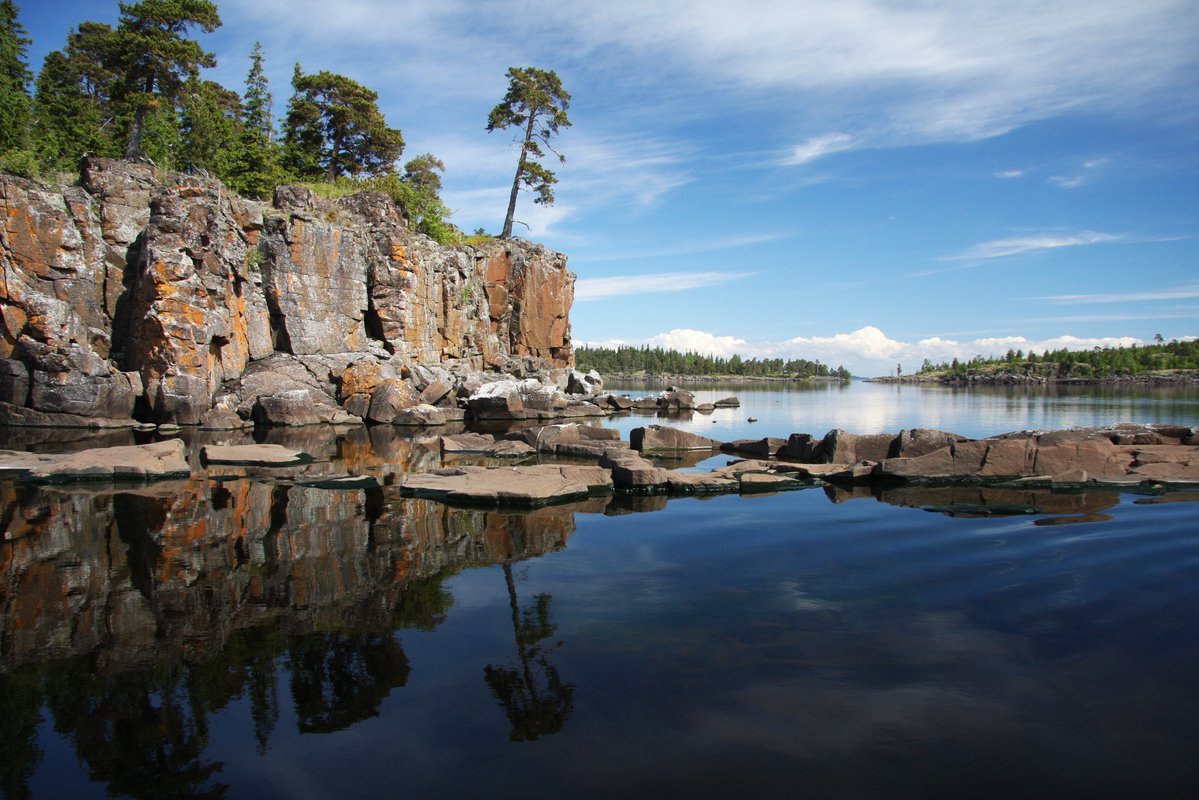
<point x="520" y="169"/>
<point x="133" y="149"/>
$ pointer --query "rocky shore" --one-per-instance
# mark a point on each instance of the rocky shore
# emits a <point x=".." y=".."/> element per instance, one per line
<point x="1168" y="378"/>
<point x="576" y="461"/>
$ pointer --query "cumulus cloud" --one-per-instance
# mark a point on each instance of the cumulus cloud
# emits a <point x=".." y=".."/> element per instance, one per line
<point x="868" y="351"/>
<point x="602" y="288"/>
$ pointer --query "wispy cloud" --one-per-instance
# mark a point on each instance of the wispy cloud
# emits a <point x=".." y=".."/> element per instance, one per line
<point x="685" y="248"/>
<point x="603" y="288"/>
<point x="1010" y="174"/>
<point x="1001" y="248"/>
<point x="818" y="147"/>
<point x="1082" y="176"/>
<point x="1184" y="292"/>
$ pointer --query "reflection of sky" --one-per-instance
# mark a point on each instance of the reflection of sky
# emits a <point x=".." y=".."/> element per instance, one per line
<point x="783" y="409"/>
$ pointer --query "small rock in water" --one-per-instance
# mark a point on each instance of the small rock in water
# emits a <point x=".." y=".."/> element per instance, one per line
<point x="752" y="419"/>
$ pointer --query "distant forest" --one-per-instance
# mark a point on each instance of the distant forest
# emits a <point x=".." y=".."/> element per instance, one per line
<point x="645" y="360"/>
<point x="1099" y="362"/>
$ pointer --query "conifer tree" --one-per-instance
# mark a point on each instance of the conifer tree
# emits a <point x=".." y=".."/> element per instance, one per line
<point x="258" y="168"/>
<point x="14" y="80"/>
<point x="536" y="104"/>
<point x="211" y="127"/>
<point x="334" y="125"/>
<point x="73" y="108"/>
<point x="153" y="58"/>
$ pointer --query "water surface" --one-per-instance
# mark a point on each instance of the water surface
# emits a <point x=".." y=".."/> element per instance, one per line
<point x="246" y="635"/>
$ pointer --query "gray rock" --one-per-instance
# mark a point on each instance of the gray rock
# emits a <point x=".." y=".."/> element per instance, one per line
<point x="262" y="455"/>
<point x="147" y="462"/>
<point x="660" y="438"/>
<point x="534" y="485"/>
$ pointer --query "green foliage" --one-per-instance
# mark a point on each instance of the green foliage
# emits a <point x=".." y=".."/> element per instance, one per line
<point x="334" y="127"/>
<point x="258" y="169"/>
<point x="153" y="60"/>
<point x="425" y="212"/>
<point x="536" y="104"/>
<point x="629" y="360"/>
<point x="73" y="107"/>
<point x="1096" y="362"/>
<point x="211" y="128"/>
<point x="21" y="162"/>
<point x="14" y="80"/>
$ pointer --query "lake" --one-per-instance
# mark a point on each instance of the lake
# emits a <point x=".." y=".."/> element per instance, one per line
<point x="264" y="636"/>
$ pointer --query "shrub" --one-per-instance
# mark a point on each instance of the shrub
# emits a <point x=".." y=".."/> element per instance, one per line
<point x="21" y="162"/>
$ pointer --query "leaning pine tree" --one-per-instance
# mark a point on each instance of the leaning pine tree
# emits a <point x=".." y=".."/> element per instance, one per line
<point x="536" y="104"/>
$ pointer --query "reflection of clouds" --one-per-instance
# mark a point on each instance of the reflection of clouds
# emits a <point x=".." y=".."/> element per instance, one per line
<point x="794" y="598"/>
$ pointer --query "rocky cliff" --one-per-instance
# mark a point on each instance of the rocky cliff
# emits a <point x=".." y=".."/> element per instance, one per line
<point x="143" y="295"/>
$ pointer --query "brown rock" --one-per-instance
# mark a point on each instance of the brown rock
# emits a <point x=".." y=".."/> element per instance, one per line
<point x="503" y="486"/>
<point x="770" y="447"/>
<point x="660" y="438"/>
<point x="632" y="472"/>
<point x="840" y="447"/>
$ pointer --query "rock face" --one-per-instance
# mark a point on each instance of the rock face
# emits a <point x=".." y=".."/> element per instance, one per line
<point x="152" y="295"/>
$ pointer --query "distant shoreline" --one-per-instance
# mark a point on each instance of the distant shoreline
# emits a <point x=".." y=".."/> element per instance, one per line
<point x="1012" y="379"/>
<point x="719" y="379"/>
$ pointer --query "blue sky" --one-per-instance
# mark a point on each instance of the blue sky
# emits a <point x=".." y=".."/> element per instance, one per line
<point x="864" y="182"/>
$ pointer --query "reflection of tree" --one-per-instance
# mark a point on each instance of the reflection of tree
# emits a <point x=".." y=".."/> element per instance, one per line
<point x="338" y="679"/>
<point x="20" y="706"/>
<point x="137" y="731"/>
<point x="533" y="695"/>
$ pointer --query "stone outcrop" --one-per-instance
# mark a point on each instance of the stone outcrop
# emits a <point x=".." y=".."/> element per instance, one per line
<point x="160" y="297"/>
<point x="148" y="462"/>
<point x="661" y="438"/>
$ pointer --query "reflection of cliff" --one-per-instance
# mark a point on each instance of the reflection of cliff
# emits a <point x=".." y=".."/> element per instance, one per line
<point x="133" y="616"/>
<point x="126" y="576"/>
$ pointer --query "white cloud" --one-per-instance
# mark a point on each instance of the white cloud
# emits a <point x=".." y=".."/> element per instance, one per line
<point x="603" y="288"/>
<point x="1184" y="292"/>
<point x="1001" y="248"/>
<point x="818" y="147"/>
<point x="1081" y="176"/>
<point x="1010" y="173"/>
<point x="868" y="351"/>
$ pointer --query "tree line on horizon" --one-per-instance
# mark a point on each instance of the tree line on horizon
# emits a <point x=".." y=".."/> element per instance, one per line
<point x="631" y="360"/>
<point x="1099" y="362"/>
<point x="135" y="91"/>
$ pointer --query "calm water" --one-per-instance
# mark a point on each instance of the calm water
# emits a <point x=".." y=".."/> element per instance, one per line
<point x="258" y="637"/>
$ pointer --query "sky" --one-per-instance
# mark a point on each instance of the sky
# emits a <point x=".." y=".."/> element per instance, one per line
<point x="865" y="182"/>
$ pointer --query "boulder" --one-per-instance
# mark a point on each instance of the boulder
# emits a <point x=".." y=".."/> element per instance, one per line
<point x="479" y="444"/>
<point x="769" y="447"/>
<point x="800" y="447"/>
<point x="675" y="399"/>
<point x="913" y="442"/>
<point x="293" y="407"/>
<point x="727" y="402"/>
<point x="616" y="402"/>
<point x="840" y="447"/>
<point x="660" y="438"/>
<point x="589" y="383"/>
<point x="631" y="472"/>
<point x="572" y="439"/>
<point x="391" y="397"/>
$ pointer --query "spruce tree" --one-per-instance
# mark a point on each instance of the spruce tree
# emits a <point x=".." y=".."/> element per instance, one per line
<point x="73" y="108"/>
<point x="14" y="80"/>
<point x="257" y="170"/>
<point x="211" y="127"/>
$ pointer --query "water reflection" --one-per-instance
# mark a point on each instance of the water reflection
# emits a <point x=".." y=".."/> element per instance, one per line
<point x="131" y="617"/>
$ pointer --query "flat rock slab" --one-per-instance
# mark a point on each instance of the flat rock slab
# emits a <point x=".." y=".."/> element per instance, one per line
<point x="534" y="485"/>
<point x="660" y="438"/>
<point x="147" y="462"/>
<point x="478" y="444"/>
<point x="254" y="455"/>
<point x="700" y="483"/>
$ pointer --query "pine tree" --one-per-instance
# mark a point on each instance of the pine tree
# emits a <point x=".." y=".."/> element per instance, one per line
<point x="535" y="103"/>
<point x="334" y="127"/>
<point x="153" y="58"/>
<point x="211" y="127"/>
<point x="14" y="80"/>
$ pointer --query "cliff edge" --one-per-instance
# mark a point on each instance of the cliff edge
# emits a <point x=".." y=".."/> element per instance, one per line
<point x="140" y="295"/>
